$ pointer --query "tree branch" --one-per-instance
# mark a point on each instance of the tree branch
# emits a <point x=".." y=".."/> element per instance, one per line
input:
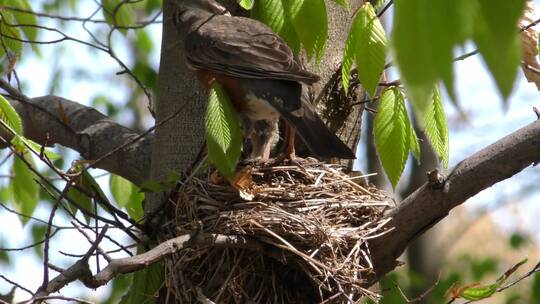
<point x="81" y="270"/>
<point x="50" y="120"/>
<point x="429" y="204"/>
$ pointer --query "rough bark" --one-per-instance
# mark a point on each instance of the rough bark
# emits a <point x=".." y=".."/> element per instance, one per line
<point x="50" y="120"/>
<point x="178" y="141"/>
<point x="336" y="107"/>
<point x="429" y="204"/>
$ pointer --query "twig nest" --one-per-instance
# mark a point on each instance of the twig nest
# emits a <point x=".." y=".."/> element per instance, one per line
<point x="312" y="220"/>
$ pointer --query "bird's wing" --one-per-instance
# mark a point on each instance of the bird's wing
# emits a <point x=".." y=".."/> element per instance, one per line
<point x="243" y="47"/>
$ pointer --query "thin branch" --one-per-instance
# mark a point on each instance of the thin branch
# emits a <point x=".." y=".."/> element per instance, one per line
<point x="81" y="270"/>
<point x="16" y="284"/>
<point x="385" y="8"/>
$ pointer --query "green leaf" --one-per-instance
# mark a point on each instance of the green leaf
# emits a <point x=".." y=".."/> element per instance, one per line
<point x="414" y="144"/>
<point x="436" y="128"/>
<point x="517" y="240"/>
<point x="479" y="293"/>
<point x="475" y="293"/>
<point x="38" y="234"/>
<point x="366" y="44"/>
<point x="127" y="195"/>
<point x="392" y="129"/>
<point x="425" y="35"/>
<point x="27" y="19"/>
<point x="11" y="35"/>
<point x="145" y="286"/>
<point x="246" y="4"/>
<point x="9" y="116"/>
<point x="498" y="41"/>
<point x="535" y="288"/>
<point x="272" y="13"/>
<point x="37" y="148"/>
<point x="269" y="12"/>
<point x="309" y="19"/>
<point x="23" y="187"/>
<point x="118" y="13"/>
<point x="119" y="286"/>
<point x="83" y="198"/>
<point x="223" y="133"/>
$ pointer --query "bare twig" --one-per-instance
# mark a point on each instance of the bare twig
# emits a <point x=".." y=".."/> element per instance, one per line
<point x="81" y="271"/>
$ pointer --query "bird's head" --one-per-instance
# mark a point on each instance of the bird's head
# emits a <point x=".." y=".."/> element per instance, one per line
<point x="190" y="11"/>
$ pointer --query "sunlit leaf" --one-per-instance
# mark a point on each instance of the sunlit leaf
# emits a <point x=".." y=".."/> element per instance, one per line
<point x="223" y="133"/>
<point x="392" y="129"/>
<point x="272" y="13"/>
<point x="366" y="45"/>
<point x="246" y="4"/>
<point x="9" y="116"/>
<point x="436" y="128"/>
<point x="127" y="195"/>
<point x="309" y="19"/>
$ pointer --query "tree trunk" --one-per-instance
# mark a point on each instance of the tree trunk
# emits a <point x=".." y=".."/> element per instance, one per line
<point x="178" y="141"/>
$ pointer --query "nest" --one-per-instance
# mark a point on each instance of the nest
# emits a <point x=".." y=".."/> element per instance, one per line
<point x="312" y="220"/>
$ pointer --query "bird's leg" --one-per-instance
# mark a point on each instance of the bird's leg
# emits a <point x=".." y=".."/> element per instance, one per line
<point x="290" y="136"/>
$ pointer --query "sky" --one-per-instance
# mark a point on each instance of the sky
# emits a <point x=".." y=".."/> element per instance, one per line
<point x="477" y="95"/>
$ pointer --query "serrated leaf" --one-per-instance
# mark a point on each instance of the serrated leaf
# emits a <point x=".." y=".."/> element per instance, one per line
<point x="424" y="37"/>
<point x="436" y="128"/>
<point x="309" y="19"/>
<point x="246" y="4"/>
<point x="367" y="45"/>
<point x="272" y="13"/>
<point x="269" y="12"/>
<point x="392" y="133"/>
<point x="24" y="189"/>
<point x="9" y="116"/>
<point x="127" y="195"/>
<point x="118" y="13"/>
<point x="498" y="41"/>
<point x="348" y="58"/>
<point x="223" y="133"/>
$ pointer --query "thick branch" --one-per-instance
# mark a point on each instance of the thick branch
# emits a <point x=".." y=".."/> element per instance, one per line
<point x="428" y="205"/>
<point x="52" y="120"/>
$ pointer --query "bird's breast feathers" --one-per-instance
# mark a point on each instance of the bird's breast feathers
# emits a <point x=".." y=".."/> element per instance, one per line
<point x="256" y="108"/>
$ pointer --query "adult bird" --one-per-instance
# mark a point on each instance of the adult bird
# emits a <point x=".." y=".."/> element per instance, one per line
<point x="261" y="75"/>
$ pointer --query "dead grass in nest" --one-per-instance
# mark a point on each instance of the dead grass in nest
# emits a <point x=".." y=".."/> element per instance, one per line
<point x="313" y="221"/>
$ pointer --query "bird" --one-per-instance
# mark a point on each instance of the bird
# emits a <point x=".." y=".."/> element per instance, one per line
<point x="260" y="73"/>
